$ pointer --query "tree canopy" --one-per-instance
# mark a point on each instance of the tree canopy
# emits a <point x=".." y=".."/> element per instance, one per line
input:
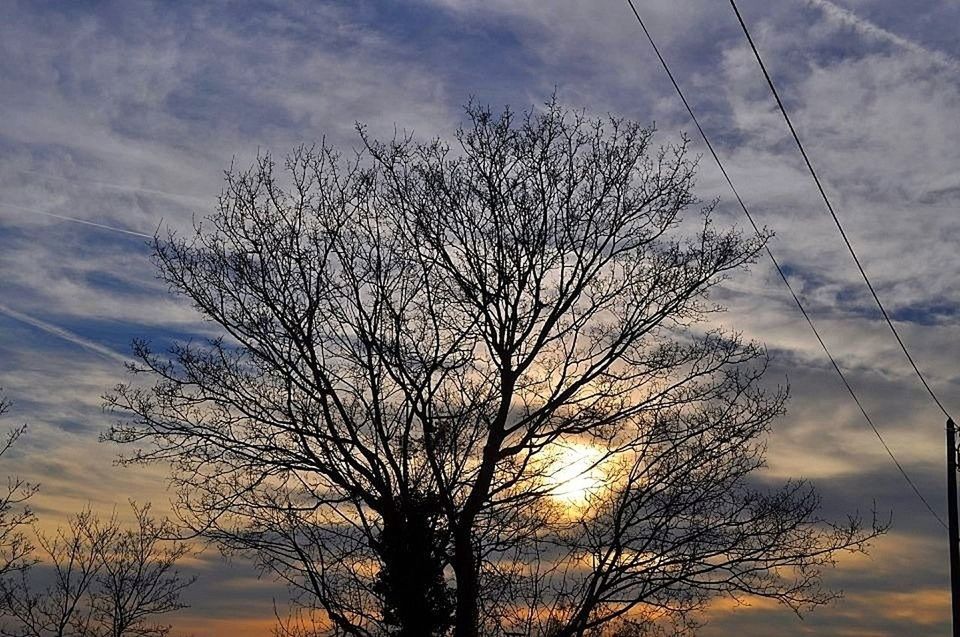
<point x="477" y="388"/>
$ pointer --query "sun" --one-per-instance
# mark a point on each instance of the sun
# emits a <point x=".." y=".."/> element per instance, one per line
<point x="574" y="473"/>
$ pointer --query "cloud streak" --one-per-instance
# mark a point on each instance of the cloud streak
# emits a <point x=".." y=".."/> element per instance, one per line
<point x="868" y="28"/>
<point x="64" y="334"/>
<point x="75" y="220"/>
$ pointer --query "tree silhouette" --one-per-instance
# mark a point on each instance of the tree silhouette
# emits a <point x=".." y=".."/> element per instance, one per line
<point x="422" y="342"/>
<point x="105" y="581"/>
<point x="15" y="515"/>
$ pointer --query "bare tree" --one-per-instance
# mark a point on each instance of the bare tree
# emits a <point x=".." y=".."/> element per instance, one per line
<point x="105" y="581"/>
<point x="15" y="515"/>
<point x="137" y="579"/>
<point x="423" y="342"/>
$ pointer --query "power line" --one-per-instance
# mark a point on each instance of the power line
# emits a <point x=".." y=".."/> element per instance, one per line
<point x="836" y="220"/>
<point x="780" y="271"/>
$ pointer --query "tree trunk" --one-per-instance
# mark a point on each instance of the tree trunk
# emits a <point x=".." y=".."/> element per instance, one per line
<point x="465" y="568"/>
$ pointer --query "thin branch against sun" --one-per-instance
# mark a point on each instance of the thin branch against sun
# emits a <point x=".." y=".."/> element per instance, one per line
<point x="576" y="473"/>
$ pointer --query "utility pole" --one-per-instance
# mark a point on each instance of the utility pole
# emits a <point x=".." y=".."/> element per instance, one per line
<point x="954" y="531"/>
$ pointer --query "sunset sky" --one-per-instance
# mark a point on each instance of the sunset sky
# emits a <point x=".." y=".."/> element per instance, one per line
<point x="123" y="115"/>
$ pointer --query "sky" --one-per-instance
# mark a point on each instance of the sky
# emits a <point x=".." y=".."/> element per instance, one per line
<point x="122" y="116"/>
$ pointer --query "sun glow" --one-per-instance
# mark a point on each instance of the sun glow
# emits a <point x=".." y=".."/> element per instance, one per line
<point x="575" y="473"/>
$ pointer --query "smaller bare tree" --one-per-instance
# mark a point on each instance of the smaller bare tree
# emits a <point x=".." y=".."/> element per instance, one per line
<point x="15" y="547"/>
<point x="106" y="581"/>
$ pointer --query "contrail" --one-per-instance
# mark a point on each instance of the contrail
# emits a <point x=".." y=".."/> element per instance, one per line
<point x="76" y="220"/>
<point x="104" y="184"/>
<point x="60" y="332"/>
<point x="866" y="27"/>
